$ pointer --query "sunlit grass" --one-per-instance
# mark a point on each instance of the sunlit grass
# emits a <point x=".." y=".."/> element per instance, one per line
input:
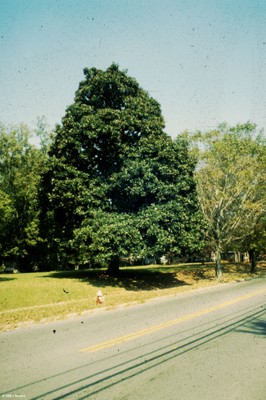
<point x="54" y="295"/>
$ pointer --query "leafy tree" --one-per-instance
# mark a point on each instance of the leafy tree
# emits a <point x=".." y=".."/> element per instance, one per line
<point x="255" y="242"/>
<point x="231" y="186"/>
<point x="20" y="168"/>
<point x="117" y="184"/>
<point x="7" y="219"/>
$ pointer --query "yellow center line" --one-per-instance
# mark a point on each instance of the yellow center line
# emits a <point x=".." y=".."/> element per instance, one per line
<point x="155" y="328"/>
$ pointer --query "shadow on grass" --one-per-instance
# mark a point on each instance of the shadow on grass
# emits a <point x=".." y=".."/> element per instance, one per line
<point x="156" y="277"/>
<point x="5" y="279"/>
<point x="138" y="279"/>
<point x="134" y="280"/>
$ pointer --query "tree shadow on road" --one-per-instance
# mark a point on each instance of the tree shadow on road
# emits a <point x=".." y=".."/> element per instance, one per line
<point x="170" y="348"/>
<point x="257" y="328"/>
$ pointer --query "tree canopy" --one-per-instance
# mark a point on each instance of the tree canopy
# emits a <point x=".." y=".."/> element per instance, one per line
<point x="116" y="184"/>
<point x="231" y="186"/>
<point x="21" y="164"/>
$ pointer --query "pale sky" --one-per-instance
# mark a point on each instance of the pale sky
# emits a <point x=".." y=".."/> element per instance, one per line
<point x="204" y="61"/>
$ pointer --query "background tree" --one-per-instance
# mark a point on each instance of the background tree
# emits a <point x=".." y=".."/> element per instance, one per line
<point x="231" y="186"/>
<point x="7" y="220"/>
<point x="20" y="168"/>
<point x="116" y="184"/>
<point x="255" y="242"/>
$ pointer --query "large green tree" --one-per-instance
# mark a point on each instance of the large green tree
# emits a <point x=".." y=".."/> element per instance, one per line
<point x="231" y="186"/>
<point x="116" y="184"/>
<point x="21" y="163"/>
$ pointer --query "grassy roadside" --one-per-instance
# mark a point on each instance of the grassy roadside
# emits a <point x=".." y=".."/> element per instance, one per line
<point x="45" y="296"/>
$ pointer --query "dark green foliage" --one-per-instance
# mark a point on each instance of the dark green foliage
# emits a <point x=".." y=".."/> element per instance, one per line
<point x="116" y="184"/>
<point x="20" y="168"/>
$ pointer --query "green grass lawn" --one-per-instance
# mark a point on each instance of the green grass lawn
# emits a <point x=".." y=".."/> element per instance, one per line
<point x="43" y="296"/>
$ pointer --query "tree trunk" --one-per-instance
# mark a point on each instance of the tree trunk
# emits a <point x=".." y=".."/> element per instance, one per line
<point x="237" y="256"/>
<point x="218" y="264"/>
<point x="113" y="268"/>
<point x="253" y="260"/>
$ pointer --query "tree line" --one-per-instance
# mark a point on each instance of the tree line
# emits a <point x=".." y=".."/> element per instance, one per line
<point x="109" y="183"/>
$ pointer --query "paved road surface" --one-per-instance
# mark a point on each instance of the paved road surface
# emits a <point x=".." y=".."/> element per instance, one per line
<point x="206" y="344"/>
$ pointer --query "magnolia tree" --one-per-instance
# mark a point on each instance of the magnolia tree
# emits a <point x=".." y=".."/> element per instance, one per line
<point x="116" y="184"/>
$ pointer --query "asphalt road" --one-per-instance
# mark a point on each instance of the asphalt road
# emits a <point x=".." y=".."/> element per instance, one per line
<point x="205" y="344"/>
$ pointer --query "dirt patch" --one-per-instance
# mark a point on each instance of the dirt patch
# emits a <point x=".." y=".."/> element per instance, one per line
<point x="231" y="273"/>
